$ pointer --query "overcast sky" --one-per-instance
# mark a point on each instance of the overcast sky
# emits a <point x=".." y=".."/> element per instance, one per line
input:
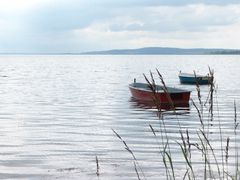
<point x="64" y="26"/>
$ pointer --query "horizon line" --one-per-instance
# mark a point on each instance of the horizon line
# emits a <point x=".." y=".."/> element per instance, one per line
<point x="122" y="49"/>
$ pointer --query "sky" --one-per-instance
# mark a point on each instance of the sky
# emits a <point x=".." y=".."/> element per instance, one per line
<point x="74" y="26"/>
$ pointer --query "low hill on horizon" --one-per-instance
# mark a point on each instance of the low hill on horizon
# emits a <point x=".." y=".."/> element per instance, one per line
<point x="165" y="51"/>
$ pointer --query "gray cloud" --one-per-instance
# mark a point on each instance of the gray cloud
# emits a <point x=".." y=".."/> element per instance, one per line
<point x="67" y="16"/>
<point x="51" y="26"/>
<point x="185" y="18"/>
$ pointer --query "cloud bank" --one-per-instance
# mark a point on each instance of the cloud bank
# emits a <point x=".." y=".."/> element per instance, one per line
<point x="50" y="26"/>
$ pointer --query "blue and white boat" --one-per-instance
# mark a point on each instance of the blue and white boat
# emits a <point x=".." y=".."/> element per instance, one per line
<point x="186" y="78"/>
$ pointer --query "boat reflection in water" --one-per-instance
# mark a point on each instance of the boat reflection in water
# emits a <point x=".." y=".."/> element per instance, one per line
<point x="180" y="108"/>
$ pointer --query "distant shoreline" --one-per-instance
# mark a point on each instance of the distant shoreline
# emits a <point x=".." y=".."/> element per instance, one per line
<point x="79" y="54"/>
<point x="166" y="51"/>
<point x="147" y="51"/>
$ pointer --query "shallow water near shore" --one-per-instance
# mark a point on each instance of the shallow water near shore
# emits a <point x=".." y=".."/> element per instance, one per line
<point x="57" y="113"/>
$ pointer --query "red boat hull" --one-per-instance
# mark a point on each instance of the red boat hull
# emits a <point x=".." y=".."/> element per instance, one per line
<point x="175" y="98"/>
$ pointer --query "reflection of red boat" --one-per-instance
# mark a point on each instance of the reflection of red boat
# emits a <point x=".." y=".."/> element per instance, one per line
<point x="142" y="91"/>
<point x="152" y="105"/>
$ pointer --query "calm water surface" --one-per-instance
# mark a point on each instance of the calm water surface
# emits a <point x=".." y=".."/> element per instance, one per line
<point x="57" y="113"/>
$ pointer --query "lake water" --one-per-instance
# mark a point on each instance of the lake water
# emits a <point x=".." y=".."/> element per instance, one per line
<point x="57" y="114"/>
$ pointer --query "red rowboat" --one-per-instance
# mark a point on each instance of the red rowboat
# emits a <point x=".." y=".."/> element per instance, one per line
<point x="142" y="91"/>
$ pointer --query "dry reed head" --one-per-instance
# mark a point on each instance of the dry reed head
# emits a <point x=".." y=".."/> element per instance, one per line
<point x="97" y="163"/>
<point x="227" y="150"/>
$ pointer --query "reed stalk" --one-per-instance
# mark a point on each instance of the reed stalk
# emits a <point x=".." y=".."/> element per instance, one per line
<point x="98" y="167"/>
<point x="235" y="141"/>
<point x="166" y="152"/>
<point x="131" y="152"/>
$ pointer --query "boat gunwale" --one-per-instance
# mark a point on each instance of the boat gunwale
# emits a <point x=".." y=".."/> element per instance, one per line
<point x="189" y="75"/>
<point x="178" y="90"/>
